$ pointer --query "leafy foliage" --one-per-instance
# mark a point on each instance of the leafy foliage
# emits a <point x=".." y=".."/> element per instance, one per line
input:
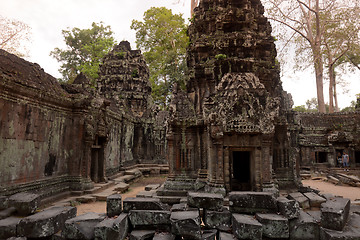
<point x="162" y="38"/>
<point x="84" y="52"/>
<point x="13" y="34"/>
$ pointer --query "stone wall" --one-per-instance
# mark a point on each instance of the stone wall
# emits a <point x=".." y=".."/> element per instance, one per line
<point x="56" y="137"/>
<point x="320" y="137"/>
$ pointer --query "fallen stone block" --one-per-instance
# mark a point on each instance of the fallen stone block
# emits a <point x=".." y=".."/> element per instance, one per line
<point x="252" y="202"/>
<point x="17" y="238"/>
<point x="143" y="204"/>
<point x="274" y="226"/>
<point x="186" y="224"/>
<point x="141" y="235"/>
<point x="219" y="220"/>
<point x="210" y="201"/>
<point x="301" y="199"/>
<point x="113" y="205"/>
<point x="164" y="236"/>
<point x="25" y="203"/>
<point x="304" y="228"/>
<point x="7" y="212"/>
<point x="179" y="207"/>
<point x="86" y="199"/>
<point x="121" y="187"/>
<point x="351" y="231"/>
<point x="226" y="236"/>
<point x="152" y="187"/>
<point x="146" y="194"/>
<point x="209" y="234"/>
<point x="45" y="223"/>
<point x="8" y="227"/>
<point x="335" y="213"/>
<point x="154" y="219"/>
<point x="83" y="226"/>
<point x="314" y="199"/>
<point x="3" y="202"/>
<point x="288" y="208"/>
<point x="328" y="196"/>
<point x="112" y="228"/>
<point x="316" y="214"/>
<point x="246" y="227"/>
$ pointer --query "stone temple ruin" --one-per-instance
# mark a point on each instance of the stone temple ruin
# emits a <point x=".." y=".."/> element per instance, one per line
<point x="229" y="143"/>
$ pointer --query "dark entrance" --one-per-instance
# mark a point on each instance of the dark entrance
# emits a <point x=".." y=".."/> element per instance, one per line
<point x="357" y="157"/>
<point x="97" y="160"/>
<point x="240" y="172"/>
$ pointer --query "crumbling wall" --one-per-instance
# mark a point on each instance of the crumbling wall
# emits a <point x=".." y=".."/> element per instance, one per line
<point x="37" y="136"/>
<point x="327" y="134"/>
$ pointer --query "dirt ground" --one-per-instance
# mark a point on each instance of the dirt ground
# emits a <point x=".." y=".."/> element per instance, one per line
<point x="352" y="193"/>
<point x="135" y="188"/>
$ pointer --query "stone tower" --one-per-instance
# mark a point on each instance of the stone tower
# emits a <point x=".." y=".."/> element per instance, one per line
<point x="125" y="79"/>
<point x="229" y="124"/>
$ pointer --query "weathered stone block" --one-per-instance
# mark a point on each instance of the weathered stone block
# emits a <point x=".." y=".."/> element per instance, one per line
<point x="180" y="207"/>
<point x="7" y="212"/>
<point x="252" y="202"/>
<point x="25" y="203"/>
<point x="164" y="236"/>
<point x="143" y="204"/>
<point x="288" y="208"/>
<point x="350" y="232"/>
<point x="45" y="223"/>
<point x="112" y="228"/>
<point x="274" y="226"/>
<point x="246" y="227"/>
<point x="8" y="227"/>
<point x="186" y="224"/>
<point x="304" y="228"/>
<point x="83" y="226"/>
<point x="154" y="219"/>
<point x="209" y="201"/>
<point x="3" y="202"/>
<point x="152" y="187"/>
<point x="209" y="234"/>
<point x="226" y="236"/>
<point x="218" y="220"/>
<point x="113" y="205"/>
<point x="335" y="213"/>
<point x="301" y="199"/>
<point x="141" y="235"/>
<point x="314" y="199"/>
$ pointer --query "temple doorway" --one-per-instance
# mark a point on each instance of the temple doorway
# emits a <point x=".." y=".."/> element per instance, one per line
<point x="240" y="171"/>
<point x="97" y="160"/>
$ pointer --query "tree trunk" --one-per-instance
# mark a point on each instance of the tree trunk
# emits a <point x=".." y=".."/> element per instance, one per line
<point x="318" y="63"/>
<point x="331" y="87"/>
<point x="335" y="96"/>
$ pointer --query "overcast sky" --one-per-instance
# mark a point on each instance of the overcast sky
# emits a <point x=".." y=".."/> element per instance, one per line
<point x="47" y="18"/>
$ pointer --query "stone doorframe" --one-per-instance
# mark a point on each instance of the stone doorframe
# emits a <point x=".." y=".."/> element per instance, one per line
<point x="228" y="159"/>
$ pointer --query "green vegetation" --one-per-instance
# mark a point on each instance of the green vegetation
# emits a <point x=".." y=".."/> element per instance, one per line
<point x="84" y="52"/>
<point x="220" y="56"/>
<point x="162" y="38"/>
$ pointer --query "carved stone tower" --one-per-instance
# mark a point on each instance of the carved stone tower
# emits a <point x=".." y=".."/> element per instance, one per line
<point x="222" y="131"/>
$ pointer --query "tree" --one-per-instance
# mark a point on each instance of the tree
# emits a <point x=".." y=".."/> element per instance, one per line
<point x="306" y="21"/>
<point x="341" y="38"/>
<point x="84" y="52"/>
<point x="162" y="38"/>
<point x="13" y="34"/>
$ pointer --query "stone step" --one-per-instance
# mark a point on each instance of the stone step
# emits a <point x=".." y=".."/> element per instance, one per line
<point x="121" y="187"/>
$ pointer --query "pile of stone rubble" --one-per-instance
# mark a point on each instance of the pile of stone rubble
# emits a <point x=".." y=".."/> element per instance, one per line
<point x="249" y="215"/>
